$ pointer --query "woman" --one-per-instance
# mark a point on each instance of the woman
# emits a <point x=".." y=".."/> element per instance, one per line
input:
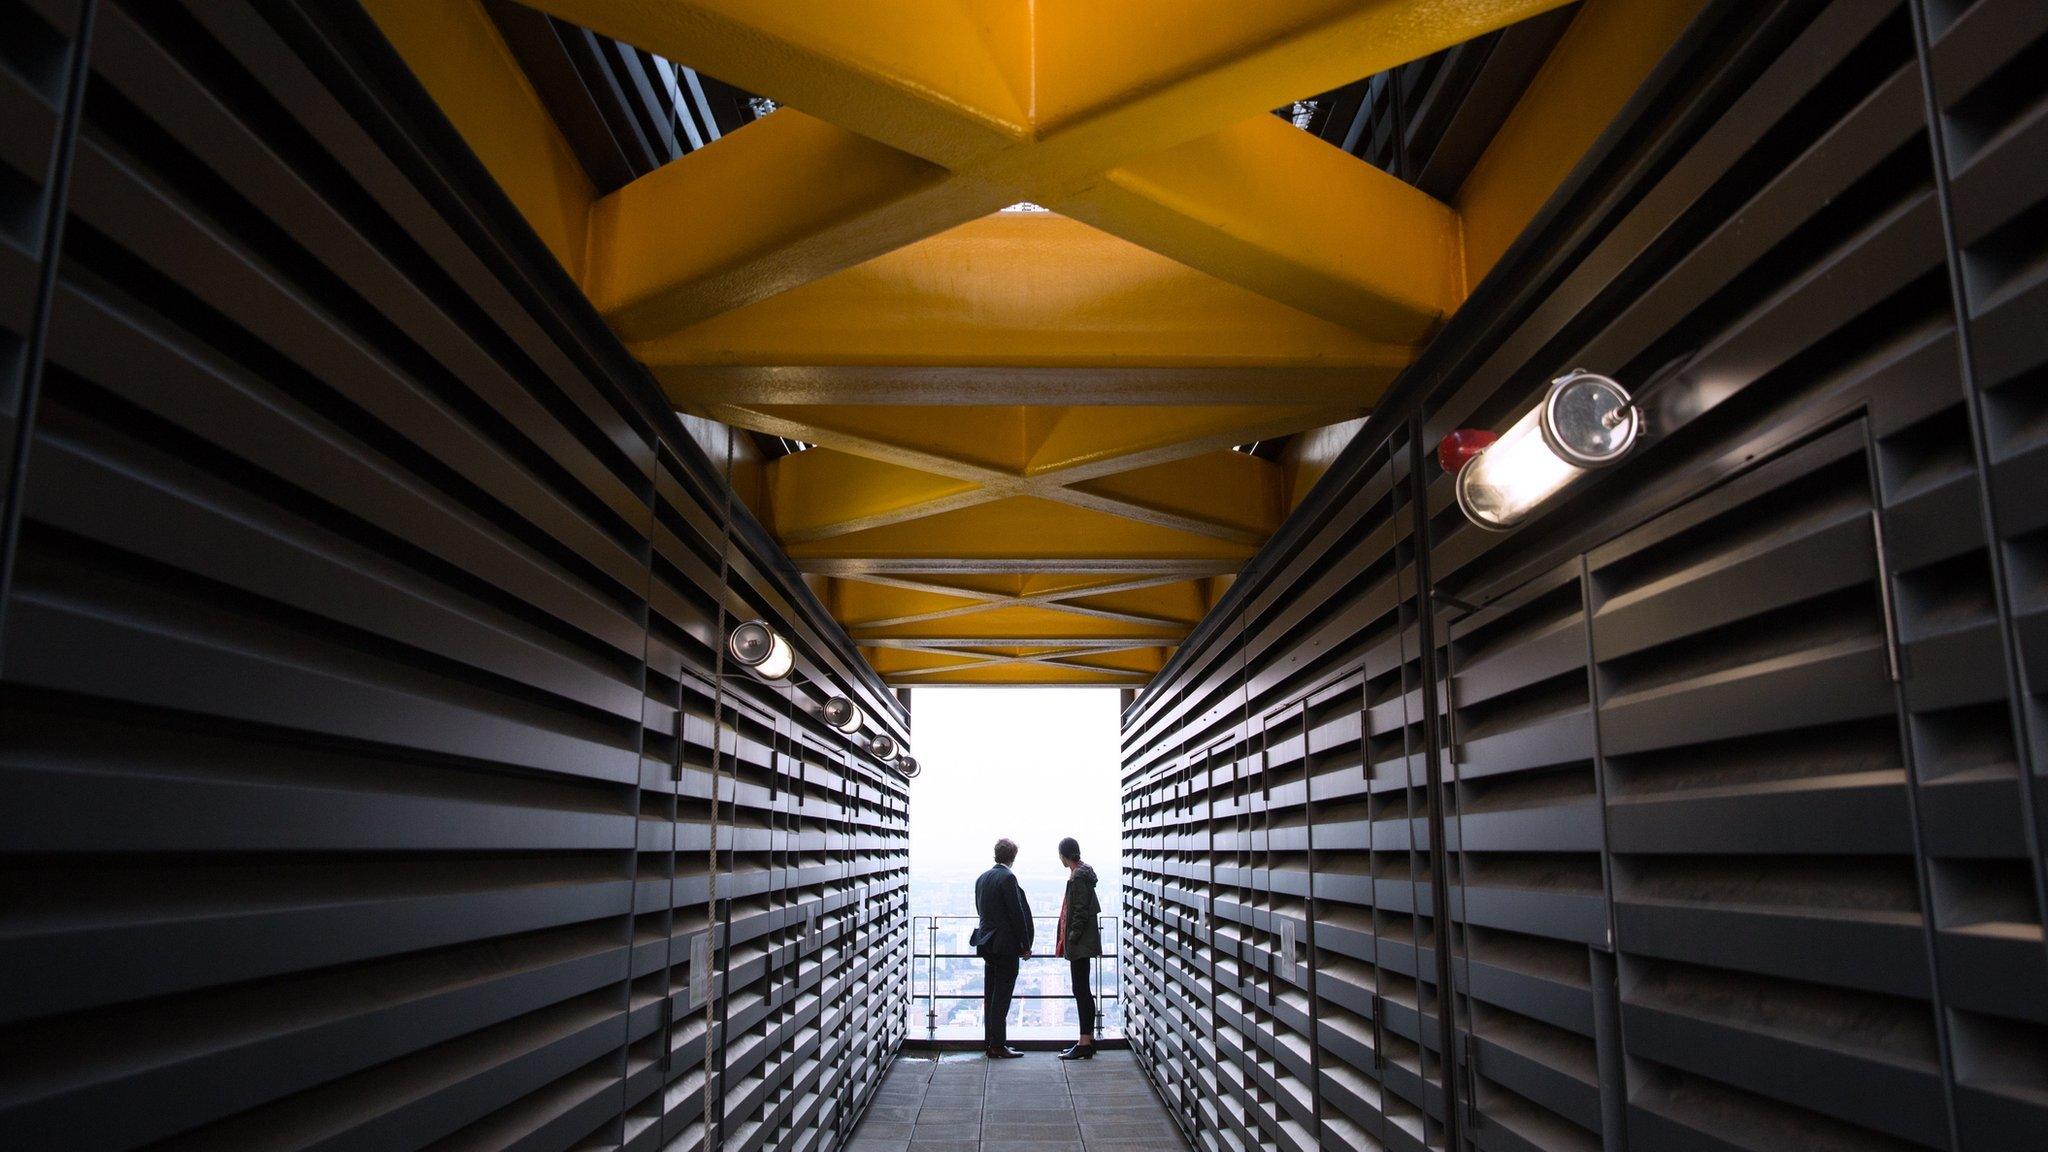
<point x="1079" y="939"/>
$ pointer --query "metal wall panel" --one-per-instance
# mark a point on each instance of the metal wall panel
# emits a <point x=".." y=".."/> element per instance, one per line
<point x="372" y="776"/>
<point x="1712" y="793"/>
<point x="1980" y="735"/>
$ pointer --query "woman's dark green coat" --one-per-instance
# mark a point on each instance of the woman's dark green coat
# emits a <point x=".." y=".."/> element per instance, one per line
<point x="1084" y="933"/>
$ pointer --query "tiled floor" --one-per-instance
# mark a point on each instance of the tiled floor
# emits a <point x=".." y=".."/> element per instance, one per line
<point x="964" y="1103"/>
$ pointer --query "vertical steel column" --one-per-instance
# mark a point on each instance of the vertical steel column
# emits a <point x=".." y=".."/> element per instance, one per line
<point x="1923" y="866"/>
<point x="1315" y="1002"/>
<point x="1607" y="1050"/>
<point x="29" y="387"/>
<point x="1377" y="1001"/>
<point x="1608" y="1046"/>
<point x="1439" y="872"/>
<point x="2031" y="789"/>
<point x="651" y="496"/>
<point x="714" y="1051"/>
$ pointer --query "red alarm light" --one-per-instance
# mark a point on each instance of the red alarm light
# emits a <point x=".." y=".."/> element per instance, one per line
<point x="1459" y="447"/>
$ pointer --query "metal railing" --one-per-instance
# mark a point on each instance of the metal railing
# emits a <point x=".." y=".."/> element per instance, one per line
<point x="925" y="940"/>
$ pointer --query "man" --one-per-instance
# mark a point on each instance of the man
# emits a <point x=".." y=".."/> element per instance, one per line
<point x="1003" y="939"/>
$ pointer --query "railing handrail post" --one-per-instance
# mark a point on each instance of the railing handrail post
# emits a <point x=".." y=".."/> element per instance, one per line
<point x="931" y="982"/>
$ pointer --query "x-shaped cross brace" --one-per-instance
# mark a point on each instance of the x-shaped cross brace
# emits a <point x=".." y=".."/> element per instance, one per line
<point x="841" y="253"/>
<point x="1146" y="120"/>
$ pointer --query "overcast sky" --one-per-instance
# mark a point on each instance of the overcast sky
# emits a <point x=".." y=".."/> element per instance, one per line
<point x="1033" y="764"/>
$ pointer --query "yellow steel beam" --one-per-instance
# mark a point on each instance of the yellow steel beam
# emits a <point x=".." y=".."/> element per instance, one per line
<point x="1307" y="457"/>
<point x="1113" y="82"/>
<point x="878" y="567"/>
<point x="983" y="612"/>
<point x="1597" y="65"/>
<point x="457" y="54"/>
<point x="1021" y="529"/>
<point x="1051" y="91"/>
<point x="1195" y="517"/>
<point x="750" y="385"/>
<point x="1252" y="205"/>
<point x="1130" y="463"/>
<point x="679" y="244"/>
<point x="1153" y="602"/>
<point x="1024" y="623"/>
<point x="1020" y="448"/>
<point x="1084" y="442"/>
<point x="1030" y="519"/>
<point x="1020" y="673"/>
<point x="1031" y="669"/>
<point x="892" y="661"/>
<point x="861" y="603"/>
<point x="982" y="443"/>
<point x="1159" y="469"/>
<point x="1266" y="206"/>
<point x="1219" y="487"/>
<point x="1023" y="290"/>
<point x="827" y="492"/>
<point x="882" y="600"/>
<point x="1185" y="601"/>
<point x="897" y="607"/>
<point x="942" y="109"/>
<point x="911" y="86"/>
<point x="970" y="662"/>
<point x="1014" y="102"/>
<point x="946" y="80"/>
<point x="1145" y="661"/>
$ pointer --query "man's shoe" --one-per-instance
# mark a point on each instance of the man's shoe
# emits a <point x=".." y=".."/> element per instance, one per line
<point x="1005" y="1053"/>
<point x="1079" y="1052"/>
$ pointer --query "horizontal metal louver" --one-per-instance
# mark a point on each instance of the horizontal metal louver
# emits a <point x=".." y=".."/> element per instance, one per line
<point x="1734" y="750"/>
<point x="360" y="657"/>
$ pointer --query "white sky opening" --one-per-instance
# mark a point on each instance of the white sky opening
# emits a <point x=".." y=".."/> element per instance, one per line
<point x="1033" y="764"/>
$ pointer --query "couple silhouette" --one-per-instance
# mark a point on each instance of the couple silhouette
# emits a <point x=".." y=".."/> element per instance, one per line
<point x="1003" y="939"/>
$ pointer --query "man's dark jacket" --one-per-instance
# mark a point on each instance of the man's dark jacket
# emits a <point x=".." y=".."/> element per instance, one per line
<point x="1005" y="915"/>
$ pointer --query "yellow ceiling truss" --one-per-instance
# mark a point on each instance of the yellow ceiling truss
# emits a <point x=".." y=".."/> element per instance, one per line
<point x="1024" y="422"/>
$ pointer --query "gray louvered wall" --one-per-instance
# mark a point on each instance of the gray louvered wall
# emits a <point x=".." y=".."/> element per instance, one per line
<point x="1705" y="811"/>
<point x="360" y="653"/>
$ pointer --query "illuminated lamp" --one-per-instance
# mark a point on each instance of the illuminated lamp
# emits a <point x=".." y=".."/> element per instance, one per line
<point x="761" y="650"/>
<point x="1585" y="422"/>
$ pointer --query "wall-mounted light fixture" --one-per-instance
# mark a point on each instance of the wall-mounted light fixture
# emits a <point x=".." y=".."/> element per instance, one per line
<point x="1585" y="421"/>
<point x="765" y="654"/>
<point x="761" y="650"/>
<point x="907" y="765"/>
<point x="843" y="714"/>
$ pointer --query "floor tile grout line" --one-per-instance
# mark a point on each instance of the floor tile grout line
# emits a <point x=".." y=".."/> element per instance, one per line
<point x="1067" y="1078"/>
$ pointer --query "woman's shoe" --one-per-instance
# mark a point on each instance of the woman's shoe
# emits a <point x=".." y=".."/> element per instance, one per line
<point x="1079" y="1052"/>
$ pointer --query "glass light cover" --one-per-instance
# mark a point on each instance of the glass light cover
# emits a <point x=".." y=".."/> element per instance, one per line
<point x="1585" y="422"/>
<point x="882" y="746"/>
<point x="843" y="714"/>
<point x="908" y="766"/>
<point x="761" y="650"/>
